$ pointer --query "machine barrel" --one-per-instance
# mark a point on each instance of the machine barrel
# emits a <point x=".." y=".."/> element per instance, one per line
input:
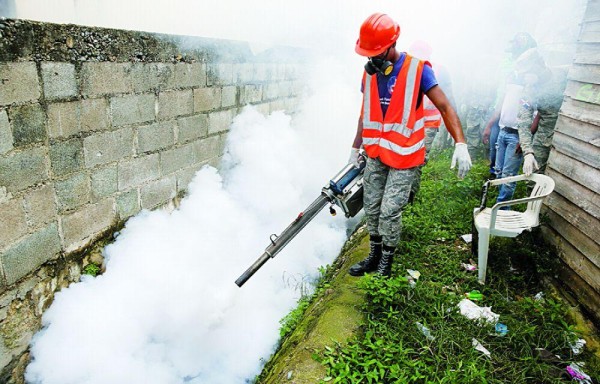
<point x="285" y="237"/>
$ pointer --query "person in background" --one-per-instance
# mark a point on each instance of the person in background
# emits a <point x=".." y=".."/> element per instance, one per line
<point x="391" y="131"/>
<point x="521" y="42"/>
<point x="522" y="87"/>
<point x="536" y="126"/>
<point x="475" y="112"/>
<point x="433" y="119"/>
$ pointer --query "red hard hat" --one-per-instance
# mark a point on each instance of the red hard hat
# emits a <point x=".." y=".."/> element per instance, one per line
<point x="377" y="34"/>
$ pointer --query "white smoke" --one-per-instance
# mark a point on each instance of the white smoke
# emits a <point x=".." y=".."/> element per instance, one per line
<point x="166" y="310"/>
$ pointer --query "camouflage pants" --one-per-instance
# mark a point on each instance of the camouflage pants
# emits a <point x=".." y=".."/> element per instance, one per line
<point x="386" y="192"/>
<point x="542" y="140"/>
<point x="474" y="141"/>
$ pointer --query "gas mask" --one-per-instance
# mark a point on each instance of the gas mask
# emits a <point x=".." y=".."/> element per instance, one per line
<point x="379" y="64"/>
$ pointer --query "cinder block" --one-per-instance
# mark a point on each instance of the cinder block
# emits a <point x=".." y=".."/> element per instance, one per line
<point x="219" y="74"/>
<point x="261" y="72"/>
<point x="19" y="83"/>
<point x="104" y="181"/>
<point x="93" y="115"/>
<point x="23" y="169"/>
<point x="66" y="156"/>
<point x="13" y="222"/>
<point x="107" y="147"/>
<point x="185" y="176"/>
<point x="189" y="75"/>
<point x="277" y="105"/>
<point x="128" y="204"/>
<point x="28" y="124"/>
<point x="63" y="119"/>
<point x="286" y="89"/>
<point x="158" y="192"/>
<point x="144" y="77"/>
<point x="220" y="121"/>
<point x="71" y="118"/>
<point x="73" y="192"/>
<point x="79" y="227"/>
<point x="105" y="78"/>
<point x="40" y="206"/>
<point x="243" y="73"/>
<point x="193" y="127"/>
<point x="31" y="252"/>
<point x="132" y="109"/>
<point x="208" y="148"/>
<point x="134" y="172"/>
<point x="177" y="158"/>
<point x="6" y="138"/>
<point x="229" y="96"/>
<point x="271" y="91"/>
<point x="251" y="93"/>
<point x="207" y="99"/>
<point x="263" y="108"/>
<point x="175" y="103"/>
<point x="156" y="136"/>
<point x="59" y="80"/>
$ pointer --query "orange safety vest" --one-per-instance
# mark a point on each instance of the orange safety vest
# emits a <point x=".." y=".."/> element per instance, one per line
<point x="433" y="117"/>
<point x="397" y="139"/>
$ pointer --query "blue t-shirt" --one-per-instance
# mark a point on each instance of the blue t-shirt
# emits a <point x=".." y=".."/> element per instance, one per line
<point x="385" y="84"/>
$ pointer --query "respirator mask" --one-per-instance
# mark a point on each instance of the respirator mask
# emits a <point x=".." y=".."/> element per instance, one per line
<point x="379" y="64"/>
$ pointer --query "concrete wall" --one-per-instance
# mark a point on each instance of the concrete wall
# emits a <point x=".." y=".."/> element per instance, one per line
<point x="95" y="125"/>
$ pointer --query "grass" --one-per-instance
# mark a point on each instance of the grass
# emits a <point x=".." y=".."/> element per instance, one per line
<point x="390" y="348"/>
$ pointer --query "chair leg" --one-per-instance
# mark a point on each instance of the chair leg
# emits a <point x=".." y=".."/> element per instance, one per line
<point x="484" y="242"/>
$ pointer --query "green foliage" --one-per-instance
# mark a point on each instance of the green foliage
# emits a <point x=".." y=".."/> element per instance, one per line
<point x="91" y="269"/>
<point x="291" y="320"/>
<point x="392" y="349"/>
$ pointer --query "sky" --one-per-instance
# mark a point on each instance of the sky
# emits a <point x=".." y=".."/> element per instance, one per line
<point x="166" y="310"/>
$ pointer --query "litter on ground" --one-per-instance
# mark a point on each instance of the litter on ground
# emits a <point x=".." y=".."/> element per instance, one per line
<point x="474" y="312"/>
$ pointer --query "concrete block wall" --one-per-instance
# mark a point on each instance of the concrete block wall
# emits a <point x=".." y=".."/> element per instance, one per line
<point x="89" y="138"/>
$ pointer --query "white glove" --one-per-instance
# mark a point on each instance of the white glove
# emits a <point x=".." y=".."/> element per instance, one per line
<point x="530" y="164"/>
<point x="461" y="155"/>
<point x="354" y="157"/>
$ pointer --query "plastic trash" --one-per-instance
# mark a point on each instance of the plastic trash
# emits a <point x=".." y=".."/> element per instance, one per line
<point x="481" y="348"/>
<point x="467" y="237"/>
<point x="501" y="329"/>
<point x="474" y="295"/>
<point x="469" y="267"/>
<point x="425" y="331"/>
<point x="474" y="312"/>
<point x="414" y="273"/>
<point x="576" y="372"/>
<point x="539" y="296"/>
<point x="577" y="347"/>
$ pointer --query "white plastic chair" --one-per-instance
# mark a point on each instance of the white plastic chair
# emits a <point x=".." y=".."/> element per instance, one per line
<point x="507" y="223"/>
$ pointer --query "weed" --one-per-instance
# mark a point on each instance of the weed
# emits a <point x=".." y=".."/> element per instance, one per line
<point x="91" y="269"/>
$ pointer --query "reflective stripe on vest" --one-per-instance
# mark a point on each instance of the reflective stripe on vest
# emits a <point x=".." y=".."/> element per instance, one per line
<point x="393" y="134"/>
<point x="433" y="117"/>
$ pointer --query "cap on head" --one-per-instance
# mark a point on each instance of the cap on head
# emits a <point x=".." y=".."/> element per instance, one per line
<point x="420" y="49"/>
<point x="377" y="33"/>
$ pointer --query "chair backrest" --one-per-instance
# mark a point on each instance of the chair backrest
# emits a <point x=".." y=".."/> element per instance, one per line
<point x="544" y="185"/>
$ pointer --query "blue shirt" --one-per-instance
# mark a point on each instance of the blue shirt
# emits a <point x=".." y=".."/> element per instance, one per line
<point x="385" y="84"/>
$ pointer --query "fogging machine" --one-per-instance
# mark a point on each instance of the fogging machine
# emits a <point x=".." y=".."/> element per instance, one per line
<point x="345" y="190"/>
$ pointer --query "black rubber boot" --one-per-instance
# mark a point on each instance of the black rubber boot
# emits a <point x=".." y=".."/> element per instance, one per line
<point x="370" y="263"/>
<point x="384" y="268"/>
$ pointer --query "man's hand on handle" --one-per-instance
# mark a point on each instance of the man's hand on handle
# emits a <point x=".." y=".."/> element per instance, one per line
<point x="353" y="159"/>
<point x="461" y="156"/>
